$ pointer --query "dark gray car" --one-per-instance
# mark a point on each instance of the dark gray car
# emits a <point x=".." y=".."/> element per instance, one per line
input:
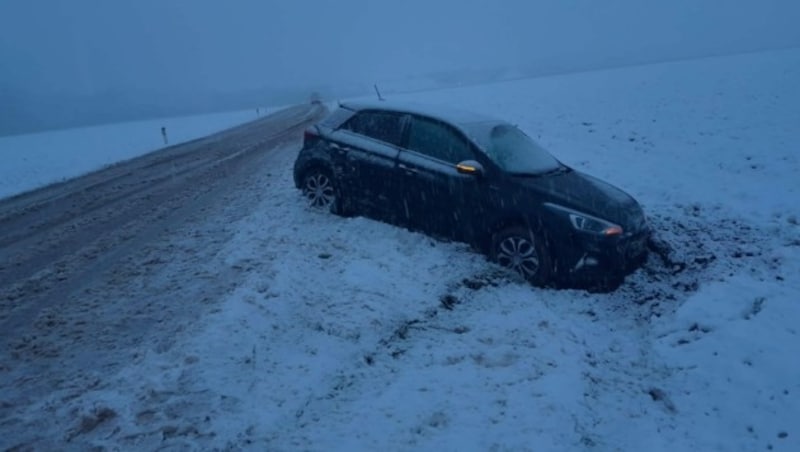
<point x="475" y="179"/>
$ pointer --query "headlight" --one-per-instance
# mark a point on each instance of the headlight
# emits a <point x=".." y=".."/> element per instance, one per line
<point x="587" y="223"/>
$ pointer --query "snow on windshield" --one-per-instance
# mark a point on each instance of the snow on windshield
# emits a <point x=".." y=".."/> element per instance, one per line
<point x="511" y="149"/>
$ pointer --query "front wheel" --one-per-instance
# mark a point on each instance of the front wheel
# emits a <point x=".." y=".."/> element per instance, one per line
<point x="523" y="251"/>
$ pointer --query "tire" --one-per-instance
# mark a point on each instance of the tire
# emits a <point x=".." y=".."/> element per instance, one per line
<point x="320" y="190"/>
<point x="524" y="252"/>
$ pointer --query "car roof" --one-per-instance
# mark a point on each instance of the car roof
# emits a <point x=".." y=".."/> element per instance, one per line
<point x="444" y="113"/>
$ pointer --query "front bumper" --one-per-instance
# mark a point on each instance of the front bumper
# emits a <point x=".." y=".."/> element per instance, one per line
<point x="586" y="258"/>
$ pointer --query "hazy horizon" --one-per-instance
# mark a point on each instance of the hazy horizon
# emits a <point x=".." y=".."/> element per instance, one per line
<point x="89" y="61"/>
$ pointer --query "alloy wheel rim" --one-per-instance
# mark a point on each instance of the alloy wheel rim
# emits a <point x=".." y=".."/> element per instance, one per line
<point x="319" y="190"/>
<point x="518" y="254"/>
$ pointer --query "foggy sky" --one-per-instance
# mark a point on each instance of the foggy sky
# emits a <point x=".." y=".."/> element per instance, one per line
<point x="162" y="51"/>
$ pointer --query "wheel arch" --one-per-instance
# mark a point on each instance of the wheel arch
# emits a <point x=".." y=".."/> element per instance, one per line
<point x="309" y="165"/>
<point x="509" y="220"/>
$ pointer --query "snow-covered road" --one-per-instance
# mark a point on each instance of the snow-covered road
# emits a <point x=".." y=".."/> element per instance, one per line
<point x="259" y="324"/>
<point x="95" y="270"/>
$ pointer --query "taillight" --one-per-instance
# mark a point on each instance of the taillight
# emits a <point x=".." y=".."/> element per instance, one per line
<point x="310" y="138"/>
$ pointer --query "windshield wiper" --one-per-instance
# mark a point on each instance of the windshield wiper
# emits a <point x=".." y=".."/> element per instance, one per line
<point x="558" y="170"/>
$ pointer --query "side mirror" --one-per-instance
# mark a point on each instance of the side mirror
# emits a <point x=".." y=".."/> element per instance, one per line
<point x="470" y="167"/>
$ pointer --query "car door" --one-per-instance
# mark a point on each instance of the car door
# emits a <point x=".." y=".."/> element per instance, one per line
<point x="437" y="198"/>
<point x="367" y="146"/>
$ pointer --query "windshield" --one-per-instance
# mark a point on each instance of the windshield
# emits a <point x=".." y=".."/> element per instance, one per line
<point x="512" y="150"/>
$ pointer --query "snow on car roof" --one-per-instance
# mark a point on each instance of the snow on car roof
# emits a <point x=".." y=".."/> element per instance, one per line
<point x="442" y="112"/>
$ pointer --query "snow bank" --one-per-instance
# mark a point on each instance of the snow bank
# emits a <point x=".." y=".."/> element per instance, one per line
<point x="35" y="160"/>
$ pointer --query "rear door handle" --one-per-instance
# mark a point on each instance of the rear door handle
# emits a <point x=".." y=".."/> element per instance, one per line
<point x="407" y="169"/>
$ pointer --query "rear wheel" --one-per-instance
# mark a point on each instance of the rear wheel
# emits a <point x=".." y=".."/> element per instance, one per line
<point x="320" y="190"/>
<point x="524" y="252"/>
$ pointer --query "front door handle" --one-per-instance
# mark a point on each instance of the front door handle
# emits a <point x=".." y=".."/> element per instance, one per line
<point x="339" y="148"/>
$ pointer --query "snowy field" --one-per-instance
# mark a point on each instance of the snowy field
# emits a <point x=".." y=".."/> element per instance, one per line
<point x="348" y="334"/>
<point x="35" y="160"/>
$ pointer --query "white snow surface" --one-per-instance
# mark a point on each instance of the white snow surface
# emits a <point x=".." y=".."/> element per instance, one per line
<point x="34" y="160"/>
<point x="349" y="334"/>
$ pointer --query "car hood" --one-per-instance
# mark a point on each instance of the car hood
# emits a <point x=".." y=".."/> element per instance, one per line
<point x="589" y="194"/>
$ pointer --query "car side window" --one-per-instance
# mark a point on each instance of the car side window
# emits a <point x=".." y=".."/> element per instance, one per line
<point x="336" y="118"/>
<point x="382" y="126"/>
<point x="438" y="140"/>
